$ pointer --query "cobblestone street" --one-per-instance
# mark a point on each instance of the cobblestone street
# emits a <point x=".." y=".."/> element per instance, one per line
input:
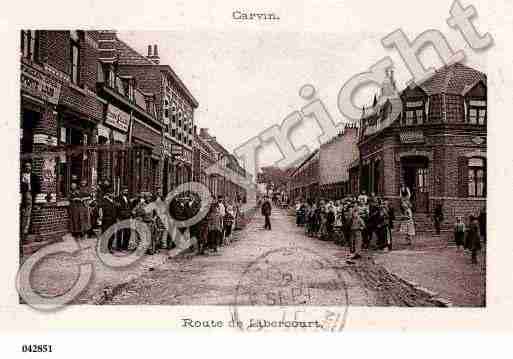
<point x="264" y="267"/>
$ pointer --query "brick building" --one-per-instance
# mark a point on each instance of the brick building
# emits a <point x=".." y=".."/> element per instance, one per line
<point x="85" y="117"/>
<point x="432" y="139"/>
<point x="304" y="180"/>
<point x="174" y="108"/>
<point x="130" y="119"/>
<point x="60" y="108"/>
<point x="204" y="157"/>
<point x="222" y="185"/>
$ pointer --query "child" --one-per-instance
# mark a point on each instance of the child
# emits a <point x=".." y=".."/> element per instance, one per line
<point x="357" y="226"/>
<point x="459" y="232"/>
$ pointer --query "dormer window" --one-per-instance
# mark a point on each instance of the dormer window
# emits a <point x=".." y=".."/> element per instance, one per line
<point x="112" y="78"/>
<point x="414" y="113"/>
<point x="131" y="89"/>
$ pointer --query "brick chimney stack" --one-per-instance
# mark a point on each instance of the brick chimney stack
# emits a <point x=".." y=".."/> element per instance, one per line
<point x="153" y="57"/>
<point x="204" y="133"/>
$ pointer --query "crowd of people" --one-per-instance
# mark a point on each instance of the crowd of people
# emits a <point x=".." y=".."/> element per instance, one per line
<point x="97" y="212"/>
<point x="355" y="220"/>
<point x="351" y="221"/>
<point x="215" y="230"/>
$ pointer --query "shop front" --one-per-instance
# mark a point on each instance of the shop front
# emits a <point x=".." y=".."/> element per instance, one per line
<point x="113" y="152"/>
<point x="146" y="154"/>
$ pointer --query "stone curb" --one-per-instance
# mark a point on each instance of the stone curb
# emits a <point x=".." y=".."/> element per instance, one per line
<point x="439" y="301"/>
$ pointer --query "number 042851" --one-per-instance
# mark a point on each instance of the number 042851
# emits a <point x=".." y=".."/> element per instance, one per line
<point x="37" y="348"/>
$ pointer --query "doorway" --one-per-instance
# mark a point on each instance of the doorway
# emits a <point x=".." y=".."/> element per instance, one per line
<point x="415" y="175"/>
<point x="29" y="120"/>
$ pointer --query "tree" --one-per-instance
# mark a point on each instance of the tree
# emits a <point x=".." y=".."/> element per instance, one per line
<point x="274" y="178"/>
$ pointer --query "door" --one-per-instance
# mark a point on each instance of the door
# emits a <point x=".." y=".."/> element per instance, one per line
<point x="415" y="177"/>
<point x="421" y="192"/>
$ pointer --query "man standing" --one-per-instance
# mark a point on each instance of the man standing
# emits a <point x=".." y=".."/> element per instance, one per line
<point x="438" y="218"/>
<point x="266" y="212"/>
<point x="29" y="187"/>
<point x="124" y="212"/>
<point x="108" y="214"/>
<point x="482" y="223"/>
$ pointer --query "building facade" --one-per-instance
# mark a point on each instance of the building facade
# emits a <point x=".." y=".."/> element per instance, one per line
<point x="435" y="144"/>
<point x="223" y="185"/>
<point x="304" y="180"/>
<point x="60" y="109"/>
<point x="174" y="108"/>
<point x="84" y="119"/>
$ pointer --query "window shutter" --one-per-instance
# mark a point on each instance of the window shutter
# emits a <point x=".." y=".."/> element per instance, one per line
<point x="462" y="177"/>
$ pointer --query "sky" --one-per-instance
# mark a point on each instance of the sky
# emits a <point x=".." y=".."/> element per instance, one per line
<point x="247" y="79"/>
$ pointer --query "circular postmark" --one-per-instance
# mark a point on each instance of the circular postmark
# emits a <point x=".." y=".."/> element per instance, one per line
<point x="290" y="288"/>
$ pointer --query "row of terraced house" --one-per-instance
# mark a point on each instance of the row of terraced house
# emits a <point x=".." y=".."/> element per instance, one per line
<point x="93" y="109"/>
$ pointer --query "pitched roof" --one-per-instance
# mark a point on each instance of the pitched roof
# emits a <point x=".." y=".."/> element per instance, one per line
<point x="336" y="156"/>
<point x="452" y="79"/>
<point x="128" y="56"/>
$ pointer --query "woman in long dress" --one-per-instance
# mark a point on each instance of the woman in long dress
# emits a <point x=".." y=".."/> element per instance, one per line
<point x="79" y="213"/>
<point x="85" y="211"/>
<point x="405" y="196"/>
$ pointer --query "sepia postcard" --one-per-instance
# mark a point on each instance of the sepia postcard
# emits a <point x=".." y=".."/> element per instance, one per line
<point x="275" y="168"/>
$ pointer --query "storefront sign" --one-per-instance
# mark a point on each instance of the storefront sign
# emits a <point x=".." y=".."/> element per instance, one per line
<point x="411" y="137"/>
<point x="49" y="170"/>
<point x="39" y="84"/>
<point x="117" y="118"/>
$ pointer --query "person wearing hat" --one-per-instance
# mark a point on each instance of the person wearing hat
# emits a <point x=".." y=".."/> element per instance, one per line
<point x="107" y="215"/>
<point x="29" y="187"/>
<point x="124" y="212"/>
<point x="459" y="232"/>
<point x="266" y="212"/>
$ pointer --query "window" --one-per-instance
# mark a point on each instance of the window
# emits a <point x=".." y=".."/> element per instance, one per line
<point x="73" y="166"/>
<point x="130" y="89"/>
<point x="476" y="177"/>
<point x="414" y="113"/>
<point x="75" y="57"/>
<point x="420" y="116"/>
<point x="111" y="78"/>
<point x="410" y="115"/>
<point x="422" y="179"/>
<point x="476" y="114"/>
<point x="173" y="132"/>
<point x="28" y="44"/>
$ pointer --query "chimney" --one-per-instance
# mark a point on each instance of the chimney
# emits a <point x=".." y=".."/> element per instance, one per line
<point x="155" y="56"/>
<point x="204" y="133"/>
